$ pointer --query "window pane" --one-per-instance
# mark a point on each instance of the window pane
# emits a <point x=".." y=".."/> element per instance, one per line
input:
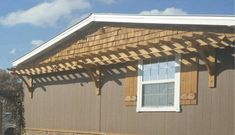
<point x="154" y="71"/>
<point x="171" y="70"/>
<point x="162" y="70"/>
<point x="147" y="95"/>
<point x="158" y="69"/>
<point x="146" y="72"/>
<point x="163" y="100"/>
<point x="156" y="95"/>
<point x="170" y="94"/>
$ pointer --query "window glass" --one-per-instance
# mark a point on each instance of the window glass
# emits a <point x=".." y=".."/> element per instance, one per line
<point x="162" y="70"/>
<point x="158" y="70"/>
<point x="171" y="70"/>
<point x="146" y="72"/>
<point x="155" y="95"/>
<point x="154" y="71"/>
<point x="157" y="89"/>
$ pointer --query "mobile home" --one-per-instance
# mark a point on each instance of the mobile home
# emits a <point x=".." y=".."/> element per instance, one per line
<point x="133" y="74"/>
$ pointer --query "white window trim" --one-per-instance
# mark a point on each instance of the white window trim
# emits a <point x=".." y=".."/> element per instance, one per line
<point x="176" y="107"/>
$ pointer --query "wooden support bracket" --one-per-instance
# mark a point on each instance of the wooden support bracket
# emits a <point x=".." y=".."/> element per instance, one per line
<point x="210" y="61"/>
<point x="209" y="58"/>
<point x="95" y="76"/>
<point x="28" y="81"/>
<point x="208" y="55"/>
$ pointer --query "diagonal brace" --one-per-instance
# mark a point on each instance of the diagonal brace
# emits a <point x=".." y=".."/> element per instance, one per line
<point x="209" y="57"/>
<point x="28" y="81"/>
<point x="95" y="76"/>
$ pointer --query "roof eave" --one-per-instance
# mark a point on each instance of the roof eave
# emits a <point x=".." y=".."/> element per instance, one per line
<point x="54" y="40"/>
<point x="180" y="20"/>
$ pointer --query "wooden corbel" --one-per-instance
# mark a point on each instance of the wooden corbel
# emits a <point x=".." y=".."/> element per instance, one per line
<point x="28" y="81"/>
<point x="208" y="56"/>
<point x="95" y="76"/>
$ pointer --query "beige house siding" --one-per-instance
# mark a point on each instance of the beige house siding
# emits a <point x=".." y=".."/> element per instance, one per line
<point x="71" y="104"/>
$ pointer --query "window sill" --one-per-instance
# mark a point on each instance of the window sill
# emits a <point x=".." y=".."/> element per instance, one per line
<point x="160" y="109"/>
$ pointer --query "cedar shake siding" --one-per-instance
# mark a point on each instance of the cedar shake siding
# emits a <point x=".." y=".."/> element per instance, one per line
<point x="70" y="103"/>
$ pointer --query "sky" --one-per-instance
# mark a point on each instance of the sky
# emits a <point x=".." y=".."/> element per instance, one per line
<point x="26" y="24"/>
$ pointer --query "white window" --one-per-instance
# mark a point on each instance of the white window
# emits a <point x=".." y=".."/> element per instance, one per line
<point x="159" y="84"/>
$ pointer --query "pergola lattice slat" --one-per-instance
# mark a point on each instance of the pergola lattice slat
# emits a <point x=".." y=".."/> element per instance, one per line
<point x="126" y="51"/>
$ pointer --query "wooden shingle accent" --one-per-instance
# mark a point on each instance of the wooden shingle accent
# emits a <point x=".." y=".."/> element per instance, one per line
<point x="111" y="38"/>
<point x="131" y="85"/>
<point x="189" y="80"/>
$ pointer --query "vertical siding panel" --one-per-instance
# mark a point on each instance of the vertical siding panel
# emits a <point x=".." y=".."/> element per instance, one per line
<point x="91" y="108"/>
<point x="35" y="121"/>
<point x="149" y="125"/>
<point x="119" y="104"/>
<point x="201" y="121"/>
<point x="68" y="106"/>
<point x="64" y="106"/>
<point x="222" y="98"/>
<point x="80" y="108"/>
<point x="52" y="109"/>
<point x="87" y="104"/>
<point x="206" y="104"/>
<point x="58" y="99"/>
<point x="116" y="103"/>
<point x="161" y="124"/>
<point x="212" y="116"/>
<point x="73" y="116"/>
<point x="110" y="111"/>
<point x="176" y="124"/>
<point x="37" y="109"/>
<point x="232" y="106"/>
<point x="124" y="116"/>
<point x="105" y="113"/>
<point x="84" y="108"/>
<point x="131" y="119"/>
<point x="230" y="102"/>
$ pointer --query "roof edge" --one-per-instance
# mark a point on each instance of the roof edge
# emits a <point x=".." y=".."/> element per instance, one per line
<point x="141" y="19"/>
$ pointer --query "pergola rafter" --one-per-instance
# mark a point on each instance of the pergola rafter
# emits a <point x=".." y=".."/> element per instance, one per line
<point x="199" y="42"/>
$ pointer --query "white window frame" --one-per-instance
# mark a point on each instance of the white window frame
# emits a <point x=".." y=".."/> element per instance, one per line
<point x="176" y="80"/>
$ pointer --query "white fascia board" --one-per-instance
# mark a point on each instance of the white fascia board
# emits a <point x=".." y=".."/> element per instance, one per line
<point x="187" y="20"/>
<point x="138" y="19"/>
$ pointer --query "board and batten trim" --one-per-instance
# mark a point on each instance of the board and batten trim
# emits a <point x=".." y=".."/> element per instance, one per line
<point x="176" y="107"/>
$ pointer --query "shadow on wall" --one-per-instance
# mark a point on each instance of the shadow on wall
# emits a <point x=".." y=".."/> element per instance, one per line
<point x="115" y="72"/>
<point x="108" y="73"/>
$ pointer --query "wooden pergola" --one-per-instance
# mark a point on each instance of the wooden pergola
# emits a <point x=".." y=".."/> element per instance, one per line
<point x="200" y="42"/>
<point x="112" y="44"/>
